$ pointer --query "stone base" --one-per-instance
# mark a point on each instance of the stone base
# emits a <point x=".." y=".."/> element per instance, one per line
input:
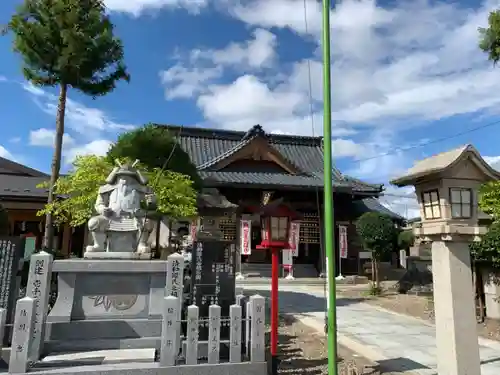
<point x="116" y="255"/>
<point x="106" y="304"/>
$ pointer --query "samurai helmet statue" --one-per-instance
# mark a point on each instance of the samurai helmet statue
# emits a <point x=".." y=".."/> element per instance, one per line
<point x="127" y="169"/>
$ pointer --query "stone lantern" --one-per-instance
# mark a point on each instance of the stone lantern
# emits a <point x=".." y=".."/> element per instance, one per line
<point x="447" y="187"/>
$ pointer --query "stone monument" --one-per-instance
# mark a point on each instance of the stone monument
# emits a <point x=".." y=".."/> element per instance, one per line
<point x="447" y="191"/>
<point x="121" y="228"/>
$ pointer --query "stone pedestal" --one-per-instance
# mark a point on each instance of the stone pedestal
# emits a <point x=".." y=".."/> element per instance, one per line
<point x="106" y="304"/>
<point x="456" y="332"/>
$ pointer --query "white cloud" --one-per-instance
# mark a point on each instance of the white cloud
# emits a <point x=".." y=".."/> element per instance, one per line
<point x="258" y="52"/>
<point x="182" y="82"/>
<point x="97" y="147"/>
<point x="494" y="161"/>
<point x="193" y="75"/>
<point x="90" y="127"/>
<point x="4" y="153"/>
<point x="394" y="66"/>
<point x="45" y="138"/>
<point x="137" y="7"/>
<point x="403" y="201"/>
<point x="79" y="118"/>
<point x="15" y="140"/>
<point x="415" y="59"/>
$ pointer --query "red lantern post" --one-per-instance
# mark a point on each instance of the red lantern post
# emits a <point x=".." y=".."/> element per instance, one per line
<point x="275" y="222"/>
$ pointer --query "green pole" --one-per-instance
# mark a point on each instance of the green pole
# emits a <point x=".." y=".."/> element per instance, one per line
<point x="328" y="191"/>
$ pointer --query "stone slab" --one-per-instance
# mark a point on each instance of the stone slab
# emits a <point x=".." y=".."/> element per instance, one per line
<point x="116" y="255"/>
<point x="156" y="369"/>
<point x="109" y="265"/>
<point x="111" y="302"/>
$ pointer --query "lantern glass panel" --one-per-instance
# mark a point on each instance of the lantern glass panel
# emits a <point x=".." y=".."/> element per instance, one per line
<point x="279" y="228"/>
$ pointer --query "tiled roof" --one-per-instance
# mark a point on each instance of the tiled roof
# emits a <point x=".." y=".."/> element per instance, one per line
<point x="208" y="146"/>
<point x="278" y="179"/>
<point x="22" y="186"/>
<point x="442" y="161"/>
<point x="373" y="205"/>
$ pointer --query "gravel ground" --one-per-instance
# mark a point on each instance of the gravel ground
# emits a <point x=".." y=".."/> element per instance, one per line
<point x="416" y="306"/>
<point x="303" y="350"/>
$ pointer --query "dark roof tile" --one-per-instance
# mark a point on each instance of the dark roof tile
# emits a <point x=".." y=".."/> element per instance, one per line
<point x="206" y="145"/>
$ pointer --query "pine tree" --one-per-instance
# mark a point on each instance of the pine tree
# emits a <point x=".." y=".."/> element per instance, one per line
<point x="66" y="44"/>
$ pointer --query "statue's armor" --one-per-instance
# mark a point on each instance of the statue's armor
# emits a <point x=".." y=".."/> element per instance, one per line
<point x="123" y="199"/>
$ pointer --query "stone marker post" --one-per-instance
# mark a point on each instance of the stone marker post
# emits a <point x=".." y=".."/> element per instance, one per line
<point x="403" y="262"/>
<point x="3" y="319"/>
<point x="38" y="288"/>
<point x="248" y="325"/>
<point x="193" y="314"/>
<point x="169" y="332"/>
<point x="214" y="312"/>
<point x="455" y="311"/>
<point x="175" y="283"/>
<point x="21" y="336"/>
<point x="257" y="330"/>
<point x="235" y="333"/>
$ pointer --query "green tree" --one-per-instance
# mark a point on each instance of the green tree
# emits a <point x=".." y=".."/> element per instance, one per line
<point x="489" y="199"/>
<point x="78" y="191"/>
<point x="487" y="251"/>
<point x="489" y="41"/>
<point x="155" y="147"/>
<point x="377" y="233"/>
<point x="68" y="44"/>
<point x="406" y="238"/>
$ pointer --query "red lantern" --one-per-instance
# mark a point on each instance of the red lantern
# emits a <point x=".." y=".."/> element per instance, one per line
<point x="275" y="219"/>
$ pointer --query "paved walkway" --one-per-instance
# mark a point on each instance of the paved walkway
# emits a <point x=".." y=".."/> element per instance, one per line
<point x="400" y="342"/>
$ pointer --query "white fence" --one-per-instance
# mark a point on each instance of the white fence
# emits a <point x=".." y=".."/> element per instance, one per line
<point x="175" y="350"/>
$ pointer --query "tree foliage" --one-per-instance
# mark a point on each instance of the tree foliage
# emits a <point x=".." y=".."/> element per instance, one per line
<point x="489" y="199"/>
<point x="155" y="147"/>
<point x="487" y="251"/>
<point x="78" y="191"/>
<point x="378" y="234"/>
<point x="69" y="44"/>
<point x="490" y="37"/>
<point x="406" y="238"/>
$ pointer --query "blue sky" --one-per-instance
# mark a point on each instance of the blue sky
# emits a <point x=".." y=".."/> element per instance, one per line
<point x="404" y="73"/>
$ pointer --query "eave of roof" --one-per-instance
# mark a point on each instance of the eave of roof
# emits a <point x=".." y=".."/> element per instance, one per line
<point x="438" y="163"/>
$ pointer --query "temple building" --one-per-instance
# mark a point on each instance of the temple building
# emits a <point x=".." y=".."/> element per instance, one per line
<point x="245" y="165"/>
<point x="242" y="167"/>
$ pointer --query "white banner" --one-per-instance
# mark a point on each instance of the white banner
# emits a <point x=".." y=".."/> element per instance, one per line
<point x="294" y="238"/>
<point x="287" y="259"/>
<point x="343" y="241"/>
<point x="246" y="237"/>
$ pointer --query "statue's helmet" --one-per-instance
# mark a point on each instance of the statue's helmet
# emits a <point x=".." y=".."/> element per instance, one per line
<point x="128" y="170"/>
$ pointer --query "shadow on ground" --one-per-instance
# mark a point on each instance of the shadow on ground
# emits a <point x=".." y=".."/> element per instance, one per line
<point x="298" y="302"/>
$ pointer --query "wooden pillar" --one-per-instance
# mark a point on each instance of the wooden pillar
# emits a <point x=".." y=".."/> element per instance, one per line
<point x="66" y="240"/>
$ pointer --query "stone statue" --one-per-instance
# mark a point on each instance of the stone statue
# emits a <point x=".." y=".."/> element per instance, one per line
<point x="121" y="228"/>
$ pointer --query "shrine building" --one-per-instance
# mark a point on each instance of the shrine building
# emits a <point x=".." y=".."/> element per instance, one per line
<point x="245" y="165"/>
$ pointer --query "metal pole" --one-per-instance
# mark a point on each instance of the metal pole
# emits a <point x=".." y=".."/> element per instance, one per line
<point x="274" y="310"/>
<point x="328" y="193"/>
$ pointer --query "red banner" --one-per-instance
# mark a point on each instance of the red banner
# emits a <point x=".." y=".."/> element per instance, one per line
<point x="246" y="237"/>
